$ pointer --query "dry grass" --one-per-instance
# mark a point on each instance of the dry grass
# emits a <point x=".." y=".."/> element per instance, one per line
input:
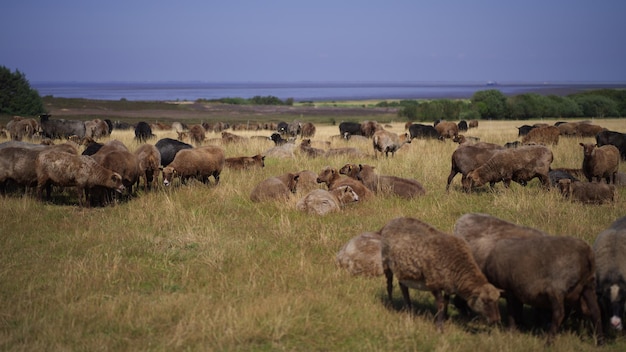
<point x="201" y="267"/>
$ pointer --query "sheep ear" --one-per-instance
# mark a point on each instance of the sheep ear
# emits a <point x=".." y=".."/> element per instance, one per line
<point x="582" y="144"/>
<point x="360" y="167"/>
<point x="296" y="177"/>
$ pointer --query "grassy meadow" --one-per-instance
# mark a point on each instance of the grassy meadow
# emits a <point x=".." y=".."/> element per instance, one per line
<point x="202" y="268"/>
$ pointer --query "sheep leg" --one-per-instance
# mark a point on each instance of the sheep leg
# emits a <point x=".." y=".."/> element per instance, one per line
<point x="589" y="306"/>
<point x="389" y="276"/>
<point x="514" y="310"/>
<point x="441" y="301"/>
<point x="558" y="314"/>
<point x="405" y="294"/>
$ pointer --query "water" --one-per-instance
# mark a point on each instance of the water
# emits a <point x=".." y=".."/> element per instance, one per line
<point x="299" y="91"/>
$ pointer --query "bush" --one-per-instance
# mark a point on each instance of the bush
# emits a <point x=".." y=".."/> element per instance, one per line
<point x="16" y="95"/>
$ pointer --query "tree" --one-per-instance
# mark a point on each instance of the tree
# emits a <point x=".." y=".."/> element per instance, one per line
<point x="597" y="105"/>
<point x="491" y="104"/>
<point x="16" y="95"/>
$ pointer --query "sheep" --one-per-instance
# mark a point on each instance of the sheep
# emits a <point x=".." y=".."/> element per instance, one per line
<point x="546" y="135"/>
<point x="322" y="202"/>
<point x="588" y="130"/>
<point x="333" y="179"/>
<point x="200" y="162"/>
<point x="361" y="256"/>
<point x="59" y="168"/>
<point x="308" y="150"/>
<point x="284" y="151"/>
<point x="519" y="165"/>
<point x="197" y="134"/>
<point x="308" y="130"/>
<point x="425" y="258"/>
<point x="447" y="129"/>
<point x="610" y="252"/>
<point x="277" y="139"/>
<point x="473" y="124"/>
<point x="401" y="187"/>
<point x="345" y="151"/>
<point x="245" y="162"/>
<point x="388" y="142"/>
<point x="462" y="139"/>
<point x="587" y="192"/>
<point x="275" y="188"/>
<point x="307" y="181"/>
<point x="467" y="158"/>
<point x="600" y="162"/>
<point x="546" y="272"/>
<point x="557" y="175"/>
<point x="228" y="138"/>
<point x="116" y="157"/>
<point x="149" y="160"/>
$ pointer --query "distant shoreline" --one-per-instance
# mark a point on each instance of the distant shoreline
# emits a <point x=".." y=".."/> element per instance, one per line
<point x="303" y="91"/>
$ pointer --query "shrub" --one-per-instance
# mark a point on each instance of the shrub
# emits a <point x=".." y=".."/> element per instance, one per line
<point x="16" y="95"/>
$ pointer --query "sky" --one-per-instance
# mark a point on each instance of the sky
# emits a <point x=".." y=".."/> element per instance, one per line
<point x="322" y="40"/>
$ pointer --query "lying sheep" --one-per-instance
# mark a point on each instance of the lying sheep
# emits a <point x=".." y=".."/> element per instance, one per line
<point x="610" y="251"/>
<point x="602" y="162"/>
<point x="333" y="179"/>
<point x="401" y="187"/>
<point x="245" y="162"/>
<point x="587" y="192"/>
<point x="307" y="181"/>
<point x="361" y="255"/>
<point x="425" y="258"/>
<point x="322" y="202"/>
<point x="310" y="151"/>
<point x="275" y="188"/>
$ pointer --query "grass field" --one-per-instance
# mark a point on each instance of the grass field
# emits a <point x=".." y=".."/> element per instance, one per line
<point x="197" y="267"/>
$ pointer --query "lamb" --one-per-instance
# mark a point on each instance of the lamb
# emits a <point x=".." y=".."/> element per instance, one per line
<point x="519" y="164"/>
<point x="245" y="162"/>
<point x="333" y="180"/>
<point x="401" y="187"/>
<point x="602" y="162"/>
<point x="467" y="158"/>
<point x="587" y="192"/>
<point x="556" y="271"/>
<point x="200" y="162"/>
<point x="362" y="255"/>
<point x="388" y="142"/>
<point x="275" y="188"/>
<point x="149" y="160"/>
<point x="425" y="258"/>
<point x="322" y="202"/>
<point x="610" y="252"/>
<point x="64" y="169"/>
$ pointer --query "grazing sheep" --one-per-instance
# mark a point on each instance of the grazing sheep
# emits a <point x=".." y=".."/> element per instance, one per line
<point x="245" y="162"/>
<point x="168" y="148"/>
<point x="149" y="160"/>
<point x="275" y="188"/>
<point x="388" y="142"/>
<point x="545" y="135"/>
<point x="322" y="202"/>
<point x="64" y="169"/>
<point x="197" y="134"/>
<point x="602" y="162"/>
<point x="362" y="255"/>
<point x="368" y="128"/>
<point x="447" y="129"/>
<point x="425" y="258"/>
<point x="467" y="158"/>
<point x="333" y="180"/>
<point x="201" y="162"/>
<point x="473" y="124"/>
<point x="307" y="130"/>
<point x="587" y="192"/>
<point x="519" y="165"/>
<point x="401" y="187"/>
<point x="546" y="272"/>
<point x="420" y="131"/>
<point x="116" y="157"/>
<point x="610" y="251"/>
<point x="588" y="130"/>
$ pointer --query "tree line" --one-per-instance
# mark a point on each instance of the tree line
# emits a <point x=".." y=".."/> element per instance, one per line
<point x="494" y="105"/>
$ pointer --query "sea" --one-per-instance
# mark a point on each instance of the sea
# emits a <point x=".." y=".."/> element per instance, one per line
<point x="298" y="91"/>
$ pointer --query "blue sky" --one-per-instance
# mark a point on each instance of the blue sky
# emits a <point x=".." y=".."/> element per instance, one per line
<point x="289" y="41"/>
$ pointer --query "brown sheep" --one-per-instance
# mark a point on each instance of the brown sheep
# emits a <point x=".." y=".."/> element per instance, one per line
<point x="307" y="181"/>
<point x="600" y="162"/>
<point x="228" y="138"/>
<point x="149" y="160"/>
<point x="96" y="129"/>
<point x="520" y="165"/>
<point x="568" y="129"/>
<point x="275" y="188"/>
<point x="308" y="130"/>
<point x="447" y="129"/>
<point x="197" y="134"/>
<point x="610" y="252"/>
<point x="245" y="162"/>
<point x="308" y="150"/>
<point x="587" y="192"/>
<point x="463" y="140"/>
<point x="344" y="151"/>
<point x="588" y="130"/>
<point x="467" y="158"/>
<point x="20" y="128"/>
<point x="425" y="258"/>
<point x="368" y="128"/>
<point x="473" y="124"/>
<point x="362" y="255"/>
<point x="201" y="162"/>
<point x="333" y="180"/>
<point x="322" y="202"/>
<point x="17" y="164"/>
<point x="388" y="142"/>
<point x="401" y="187"/>
<point x="555" y="272"/>
<point x="546" y="135"/>
<point x="63" y="169"/>
<point x="116" y="157"/>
